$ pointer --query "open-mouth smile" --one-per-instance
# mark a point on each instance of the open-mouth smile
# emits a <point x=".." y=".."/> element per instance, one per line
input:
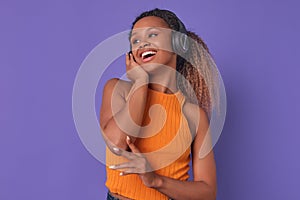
<point x="147" y="55"/>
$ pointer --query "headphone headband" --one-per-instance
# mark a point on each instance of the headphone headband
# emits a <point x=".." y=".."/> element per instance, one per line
<point x="182" y="28"/>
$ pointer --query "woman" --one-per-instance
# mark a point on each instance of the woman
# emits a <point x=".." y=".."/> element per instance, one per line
<point x="149" y="147"/>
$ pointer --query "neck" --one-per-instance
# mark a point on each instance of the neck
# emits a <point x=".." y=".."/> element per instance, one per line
<point x="164" y="80"/>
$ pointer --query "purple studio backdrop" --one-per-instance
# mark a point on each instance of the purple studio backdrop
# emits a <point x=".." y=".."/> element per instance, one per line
<point x="43" y="43"/>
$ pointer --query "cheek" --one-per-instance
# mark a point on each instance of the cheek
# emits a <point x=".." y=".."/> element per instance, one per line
<point x="165" y="44"/>
<point x="134" y="48"/>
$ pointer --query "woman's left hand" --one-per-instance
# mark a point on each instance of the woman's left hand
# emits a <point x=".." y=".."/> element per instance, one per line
<point x="137" y="164"/>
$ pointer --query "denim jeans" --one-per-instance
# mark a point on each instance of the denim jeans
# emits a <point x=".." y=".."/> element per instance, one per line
<point x="110" y="197"/>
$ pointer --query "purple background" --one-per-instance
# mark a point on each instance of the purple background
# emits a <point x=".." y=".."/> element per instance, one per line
<point x="42" y="44"/>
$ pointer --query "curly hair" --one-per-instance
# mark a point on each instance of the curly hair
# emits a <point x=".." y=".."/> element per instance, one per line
<point x="198" y="68"/>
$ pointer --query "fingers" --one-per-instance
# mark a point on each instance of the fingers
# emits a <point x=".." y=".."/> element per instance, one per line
<point x="134" y="71"/>
<point x="137" y="163"/>
<point x="127" y="172"/>
<point x="127" y="61"/>
<point x="121" y="152"/>
<point x="115" y="150"/>
<point x="129" y="155"/>
<point x="122" y="166"/>
<point x="130" y="61"/>
<point x="128" y="168"/>
<point x="133" y="148"/>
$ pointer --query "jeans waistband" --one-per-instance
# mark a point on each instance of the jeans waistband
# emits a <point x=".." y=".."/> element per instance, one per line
<point x="110" y="197"/>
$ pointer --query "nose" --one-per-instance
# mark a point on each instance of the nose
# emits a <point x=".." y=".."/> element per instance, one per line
<point x="143" y="45"/>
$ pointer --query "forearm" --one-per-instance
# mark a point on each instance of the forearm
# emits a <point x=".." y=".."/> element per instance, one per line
<point x="128" y="120"/>
<point x="176" y="189"/>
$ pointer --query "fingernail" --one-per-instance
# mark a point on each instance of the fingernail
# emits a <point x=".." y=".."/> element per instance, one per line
<point x="116" y="149"/>
<point x="128" y="138"/>
<point x="112" y="167"/>
<point x="121" y="174"/>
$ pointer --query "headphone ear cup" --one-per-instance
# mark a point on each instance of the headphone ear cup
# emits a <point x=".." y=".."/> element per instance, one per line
<point x="180" y="43"/>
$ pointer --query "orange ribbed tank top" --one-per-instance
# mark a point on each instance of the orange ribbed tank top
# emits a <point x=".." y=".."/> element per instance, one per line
<point x="165" y="141"/>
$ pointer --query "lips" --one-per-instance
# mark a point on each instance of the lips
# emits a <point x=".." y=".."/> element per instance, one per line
<point x="147" y="54"/>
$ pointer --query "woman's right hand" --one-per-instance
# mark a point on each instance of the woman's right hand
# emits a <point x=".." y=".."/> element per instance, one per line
<point x="134" y="70"/>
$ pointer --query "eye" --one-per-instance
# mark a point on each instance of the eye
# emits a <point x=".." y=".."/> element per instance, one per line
<point x="135" y="41"/>
<point x="152" y="35"/>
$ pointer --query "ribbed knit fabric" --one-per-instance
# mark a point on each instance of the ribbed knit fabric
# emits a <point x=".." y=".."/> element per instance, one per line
<point x="165" y="141"/>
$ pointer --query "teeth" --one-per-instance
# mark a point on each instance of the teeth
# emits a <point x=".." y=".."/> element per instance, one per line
<point x="147" y="53"/>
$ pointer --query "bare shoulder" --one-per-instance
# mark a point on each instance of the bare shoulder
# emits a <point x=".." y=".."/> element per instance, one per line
<point x="114" y="93"/>
<point x="117" y="86"/>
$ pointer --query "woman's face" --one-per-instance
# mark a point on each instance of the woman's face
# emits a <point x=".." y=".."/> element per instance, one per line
<point x="151" y="42"/>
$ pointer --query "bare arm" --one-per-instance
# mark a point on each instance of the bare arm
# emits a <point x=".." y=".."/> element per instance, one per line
<point x="202" y="187"/>
<point x="204" y="170"/>
<point x="122" y="112"/>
